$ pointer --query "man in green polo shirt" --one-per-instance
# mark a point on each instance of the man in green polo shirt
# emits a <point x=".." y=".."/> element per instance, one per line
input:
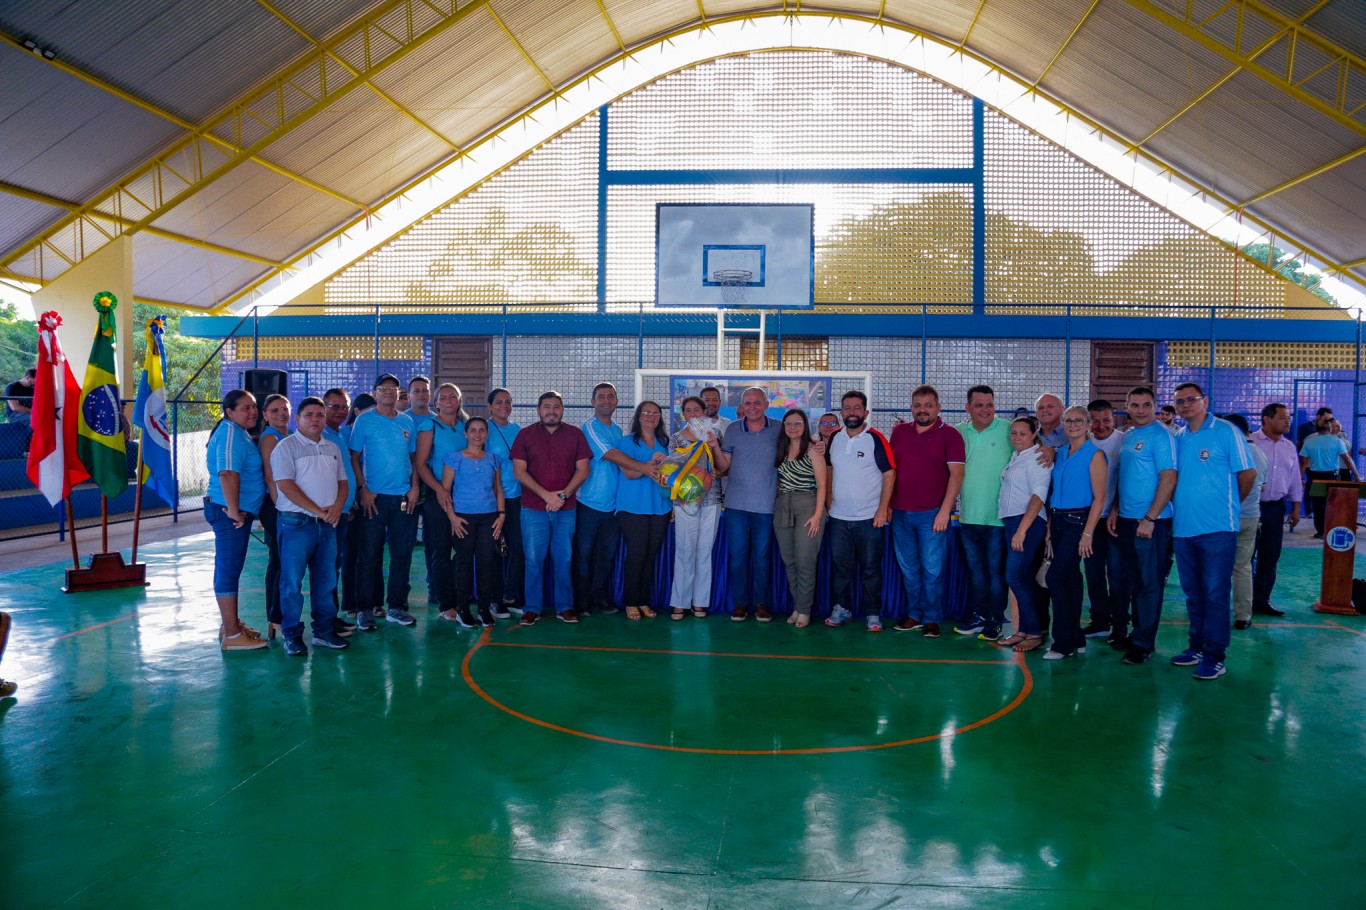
<point x="986" y="439"/>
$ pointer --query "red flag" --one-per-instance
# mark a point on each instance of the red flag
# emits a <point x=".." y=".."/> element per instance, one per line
<point x="52" y="462"/>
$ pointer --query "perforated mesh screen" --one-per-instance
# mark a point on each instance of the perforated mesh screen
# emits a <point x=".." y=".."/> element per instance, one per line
<point x="791" y="109"/>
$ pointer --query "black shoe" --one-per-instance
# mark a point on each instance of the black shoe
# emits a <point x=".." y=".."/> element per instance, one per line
<point x="1266" y="610"/>
<point x="464" y="620"/>
<point x="1242" y="624"/>
<point x="343" y="628"/>
<point x="1135" y="656"/>
<point x="294" y="646"/>
<point x="1119" y="642"/>
<point x="486" y="617"/>
<point x="1095" y="630"/>
<point x="585" y="610"/>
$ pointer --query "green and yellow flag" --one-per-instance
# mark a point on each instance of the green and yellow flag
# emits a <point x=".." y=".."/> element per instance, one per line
<point x="100" y="443"/>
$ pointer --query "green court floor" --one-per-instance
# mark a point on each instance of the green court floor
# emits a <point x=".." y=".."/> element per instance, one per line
<point x="663" y="764"/>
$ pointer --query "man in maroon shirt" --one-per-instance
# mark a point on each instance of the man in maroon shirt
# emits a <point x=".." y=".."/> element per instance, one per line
<point x="550" y="460"/>
<point x="929" y="459"/>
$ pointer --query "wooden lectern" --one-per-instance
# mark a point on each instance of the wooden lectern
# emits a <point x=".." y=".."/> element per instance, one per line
<point x="1339" y="544"/>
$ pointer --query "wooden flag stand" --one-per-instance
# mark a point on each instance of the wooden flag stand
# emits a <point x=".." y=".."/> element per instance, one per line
<point x="107" y="570"/>
<point x="1339" y="545"/>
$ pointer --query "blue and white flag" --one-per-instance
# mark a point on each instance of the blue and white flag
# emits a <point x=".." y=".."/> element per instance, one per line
<point x="149" y="413"/>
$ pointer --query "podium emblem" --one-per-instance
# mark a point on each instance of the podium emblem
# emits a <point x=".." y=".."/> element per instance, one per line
<point x="1341" y="539"/>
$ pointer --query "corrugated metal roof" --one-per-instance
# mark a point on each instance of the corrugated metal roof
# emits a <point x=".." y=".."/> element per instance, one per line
<point x="362" y="146"/>
<point x="65" y="138"/>
<point x="187" y="56"/>
<point x="1328" y="210"/>
<point x="637" y="20"/>
<point x="1292" y="138"/>
<point x="562" y="36"/>
<point x="466" y="80"/>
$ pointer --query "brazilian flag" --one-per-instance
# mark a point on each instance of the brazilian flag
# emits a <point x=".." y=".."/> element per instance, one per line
<point x="100" y="442"/>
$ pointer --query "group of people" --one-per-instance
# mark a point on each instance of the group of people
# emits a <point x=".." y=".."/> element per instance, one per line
<point x="1052" y="506"/>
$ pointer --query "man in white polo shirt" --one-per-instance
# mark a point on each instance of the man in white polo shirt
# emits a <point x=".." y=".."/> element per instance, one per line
<point x="862" y="476"/>
<point x="311" y="478"/>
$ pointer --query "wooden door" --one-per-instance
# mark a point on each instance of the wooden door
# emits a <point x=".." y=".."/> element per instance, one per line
<point x="1118" y="366"/>
<point x="465" y="360"/>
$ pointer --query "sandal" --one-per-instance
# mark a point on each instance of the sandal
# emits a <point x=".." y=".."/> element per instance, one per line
<point x="699" y="612"/>
<point x="448" y="615"/>
<point x="647" y="612"/>
<point x="633" y="614"/>
<point x="803" y="620"/>
<point x="678" y="613"/>
<point x="1029" y="643"/>
<point x="1013" y="640"/>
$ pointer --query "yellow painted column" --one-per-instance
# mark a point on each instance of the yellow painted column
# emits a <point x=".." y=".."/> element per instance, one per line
<point x="72" y="296"/>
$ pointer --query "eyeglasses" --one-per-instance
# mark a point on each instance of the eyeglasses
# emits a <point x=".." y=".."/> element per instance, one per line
<point x="651" y="414"/>
<point x="1190" y="399"/>
<point x="1074" y="421"/>
<point x="338" y="406"/>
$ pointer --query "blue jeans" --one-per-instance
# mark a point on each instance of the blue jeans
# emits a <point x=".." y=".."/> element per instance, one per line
<point x="393" y="521"/>
<point x="1064" y="577"/>
<point x="1140" y="577"/>
<point x="229" y="549"/>
<point x="984" y="552"/>
<point x="749" y="538"/>
<point x="920" y="554"/>
<point x="1021" y="569"/>
<point x="1206" y="566"/>
<point x="855" y="544"/>
<point x="306" y="544"/>
<point x="548" y="533"/>
<point x="1102" y="574"/>
<point x="596" y="541"/>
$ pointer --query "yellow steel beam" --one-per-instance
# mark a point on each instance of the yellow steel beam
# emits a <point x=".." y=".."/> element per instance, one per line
<point x="1068" y="40"/>
<point x="155" y="232"/>
<point x="1307" y="175"/>
<point x="149" y="107"/>
<point x="1295" y="80"/>
<point x="612" y="25"/>
<point x="264" y="114"/>
<point x="1251" y="55"/>
<point x="971" y="25"/>
<point x="521" y="50"/>
<point x="393" y="102"/>
<point x="152" y="301"/>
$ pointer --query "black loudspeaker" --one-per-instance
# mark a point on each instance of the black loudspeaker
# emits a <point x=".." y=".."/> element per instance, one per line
<point x="261" y="383"/>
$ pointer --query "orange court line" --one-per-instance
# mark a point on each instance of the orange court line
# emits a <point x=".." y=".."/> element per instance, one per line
<point x="484" y="639"/>
<point x="1337" y="625"/>
<point x="890" y="660"/>
<point x="98" y="625"/>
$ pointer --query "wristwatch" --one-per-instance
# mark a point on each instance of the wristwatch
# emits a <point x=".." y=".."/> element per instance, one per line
<point x="563" y="498"/>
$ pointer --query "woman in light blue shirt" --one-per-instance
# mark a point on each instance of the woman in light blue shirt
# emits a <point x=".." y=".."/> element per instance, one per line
<point x="512" y="577"/>
<point x="1078" y="497"/>
<point x="438" y="435"/>
<point x="643" y="505"/>
<point x="276" y="412"/>
<point x="474" y="511"/>
<point x="237" y="486"/>
<point x="1024" y="489"/>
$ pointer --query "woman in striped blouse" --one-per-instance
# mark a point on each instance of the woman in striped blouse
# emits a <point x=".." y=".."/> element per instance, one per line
<point x="799" y="513"/>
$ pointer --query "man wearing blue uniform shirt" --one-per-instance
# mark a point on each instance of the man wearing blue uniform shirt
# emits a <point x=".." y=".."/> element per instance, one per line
<point x="382" y="446"/>
<point x="1322" y="455"/>
<point x="1214" y="475"/>
<point x="1141" y="519"/>
<point x="337" y="403"/>
<point x="596" y="536"/>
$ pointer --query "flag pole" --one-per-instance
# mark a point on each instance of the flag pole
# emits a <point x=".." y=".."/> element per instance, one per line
<point x="137" y="501"/>
<point x="71" y="531"/>
<point x="104" y="523"/>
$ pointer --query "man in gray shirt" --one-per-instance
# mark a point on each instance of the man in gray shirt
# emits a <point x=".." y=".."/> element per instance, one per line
<point x="748" y="458"/>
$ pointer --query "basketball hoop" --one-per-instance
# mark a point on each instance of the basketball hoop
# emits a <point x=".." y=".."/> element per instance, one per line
<point x="733" y="283"/>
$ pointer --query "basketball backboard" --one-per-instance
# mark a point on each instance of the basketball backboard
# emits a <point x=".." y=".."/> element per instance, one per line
<point x="735" y="255"/>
